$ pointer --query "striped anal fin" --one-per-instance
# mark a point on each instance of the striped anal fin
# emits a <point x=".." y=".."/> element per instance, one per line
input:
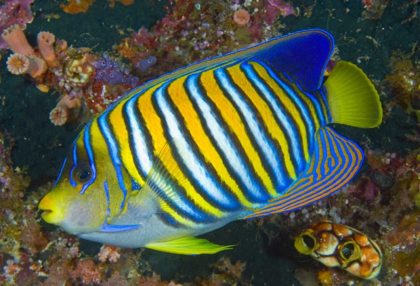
<point x="334" y="163"/>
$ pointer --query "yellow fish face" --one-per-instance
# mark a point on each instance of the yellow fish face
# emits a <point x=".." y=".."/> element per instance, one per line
<point x="78" y="201"/>
<point x="337" y="245"/>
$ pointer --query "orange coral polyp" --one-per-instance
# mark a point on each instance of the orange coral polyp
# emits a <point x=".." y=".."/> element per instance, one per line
<point x="77" y="6"/>
<point x="59" y="115"/>
<point x="20" y="64"/>
<point x="37" y="66"/>
<point x="241" y="17"/>
<point x="46" y="42"/>
<point x="17" y="64"/>
<point x="16" y="40"/>
<point x="67" y="102"/>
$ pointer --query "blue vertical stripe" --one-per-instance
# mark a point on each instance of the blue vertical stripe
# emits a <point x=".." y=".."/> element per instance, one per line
<point x="139" y="141"/>
<point x="252" y="189"/>
<point x="113" y="152"/>
<point x="196" y="168"/>
<point x="88" y="147"/>
<point x="264" y="143"/>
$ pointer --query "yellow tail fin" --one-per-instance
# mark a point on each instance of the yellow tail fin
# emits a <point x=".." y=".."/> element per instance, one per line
<point x="352" y="98"/>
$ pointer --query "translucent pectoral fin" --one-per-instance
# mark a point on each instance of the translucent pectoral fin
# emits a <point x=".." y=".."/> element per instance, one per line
<point x="188" y="246"/>
<point x="159" y="190"/>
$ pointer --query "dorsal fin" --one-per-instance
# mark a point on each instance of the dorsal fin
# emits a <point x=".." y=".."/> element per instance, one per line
<point x="335" y="162"/>
<point x="302" y="56"/>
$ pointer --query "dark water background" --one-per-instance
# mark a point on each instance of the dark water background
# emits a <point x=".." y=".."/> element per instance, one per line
<point x="42" y="146"/>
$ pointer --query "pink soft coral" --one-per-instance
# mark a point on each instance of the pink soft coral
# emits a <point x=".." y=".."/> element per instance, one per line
<point x="14" y="12"/>
<point x="278" y="7"/>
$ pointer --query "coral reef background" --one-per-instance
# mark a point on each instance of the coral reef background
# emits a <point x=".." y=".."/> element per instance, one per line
<point x="382" y="202"/>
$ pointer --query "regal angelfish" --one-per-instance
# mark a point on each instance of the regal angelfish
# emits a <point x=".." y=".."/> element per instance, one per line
<point x="234" y="137"/>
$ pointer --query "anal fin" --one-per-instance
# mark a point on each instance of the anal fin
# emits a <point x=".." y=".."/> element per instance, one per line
<point x="188" y="246"/>
<point x="334" y="163"/>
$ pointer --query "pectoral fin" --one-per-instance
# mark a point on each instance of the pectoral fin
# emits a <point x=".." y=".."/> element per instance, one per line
<point x="188" y="246"/>
<point x="159" y="190"/>
<point x="118" y="228"/>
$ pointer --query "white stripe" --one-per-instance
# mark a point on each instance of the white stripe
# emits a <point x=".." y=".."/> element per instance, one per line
<point x="269" y="152"/>
<point x="139" y="141"/>
<point x="223" y="140"/>
<point x="296" y="99"/>
<point x="292" y="132"/>
<point x="185" y="151"/>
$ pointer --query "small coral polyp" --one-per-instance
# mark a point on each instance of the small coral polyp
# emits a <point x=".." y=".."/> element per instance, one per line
<point x="78" y="71"/>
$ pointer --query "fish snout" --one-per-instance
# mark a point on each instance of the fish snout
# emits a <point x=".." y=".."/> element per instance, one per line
<point x="52" y="213"/>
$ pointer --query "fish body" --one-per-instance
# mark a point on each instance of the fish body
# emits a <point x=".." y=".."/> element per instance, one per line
<point x="338" y="245"/>
<point x="235" y="137"/>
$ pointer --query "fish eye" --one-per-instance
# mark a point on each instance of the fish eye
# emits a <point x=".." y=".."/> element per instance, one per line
<point x="350" y="251"/>
<point x="82" y="173"/>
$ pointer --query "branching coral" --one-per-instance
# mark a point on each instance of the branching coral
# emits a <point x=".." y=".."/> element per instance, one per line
<point x="74" y="72"/>
<point x="193" y="31"/>
<point x="405" y="81"/>
<point x="24" y="61"/>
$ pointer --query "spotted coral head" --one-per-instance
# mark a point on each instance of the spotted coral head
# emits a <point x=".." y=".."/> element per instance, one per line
<point x="337" y="245"/>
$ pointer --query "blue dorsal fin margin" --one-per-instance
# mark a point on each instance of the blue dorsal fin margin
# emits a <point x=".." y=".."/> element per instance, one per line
<point x="303" y="56"/>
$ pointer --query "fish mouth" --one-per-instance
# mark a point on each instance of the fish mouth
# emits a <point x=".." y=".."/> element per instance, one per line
<point x="51" y="212"/>
<point x="45" y="213"/>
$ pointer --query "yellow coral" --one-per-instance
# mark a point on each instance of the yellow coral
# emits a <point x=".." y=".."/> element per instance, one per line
<point x="324" y="276"/>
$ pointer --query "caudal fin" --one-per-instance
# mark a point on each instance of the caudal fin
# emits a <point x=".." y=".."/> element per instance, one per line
<point x="352" y="98"/>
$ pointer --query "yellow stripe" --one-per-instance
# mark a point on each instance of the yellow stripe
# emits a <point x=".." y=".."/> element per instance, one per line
<point x="206" y="148"/>
<point x="154" y="125"/>
<point x="121" y="135"/>
<point x="236" y="126"/>
<point x="174" y="214"/>
<point x="288" y="105"/>
<point x="267" y="116"/>
<point x="102" y="163"/>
